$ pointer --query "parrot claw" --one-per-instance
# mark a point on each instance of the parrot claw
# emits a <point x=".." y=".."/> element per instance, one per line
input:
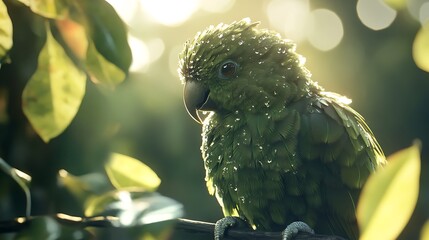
<point x="225" y="223"/>
<point x="292" y="230"/>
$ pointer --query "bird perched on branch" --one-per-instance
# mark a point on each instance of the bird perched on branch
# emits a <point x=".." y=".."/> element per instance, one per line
<point x="279" y="151"/>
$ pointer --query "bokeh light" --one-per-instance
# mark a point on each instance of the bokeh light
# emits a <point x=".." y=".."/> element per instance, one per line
<point x="324" y="29"/>
<point x="156" y="48"/>
<point x="169" y="12"/>
<point x="140" y="53"/>
<point x="144" y="52"/>
<point x="414" y="7"/>
<point x="424" y="13"/>
<point x="375" y="14"/>
<point x="289" y="17"/>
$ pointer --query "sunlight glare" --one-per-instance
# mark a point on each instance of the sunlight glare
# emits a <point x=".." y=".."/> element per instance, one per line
<point x="325" y="29"/>
<point x="156" y="48"/>
<point x="218" y="6"/>
<point x="125" y="203"/>
<point x="375" y="14"/>
<point x="126" y="11"/>
<point x="169" y="12"/>
<point x="289" y="17"/>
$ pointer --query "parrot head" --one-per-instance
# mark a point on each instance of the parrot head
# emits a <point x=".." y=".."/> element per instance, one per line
<point x="237" y="67"/>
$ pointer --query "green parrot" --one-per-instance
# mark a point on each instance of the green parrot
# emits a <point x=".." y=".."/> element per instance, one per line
<point x="277" y="148"/>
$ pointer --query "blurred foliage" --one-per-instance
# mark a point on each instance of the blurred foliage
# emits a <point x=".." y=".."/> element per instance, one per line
<point x="424" y="234"/>
<point x="72" y="41"/>
<point x="396" y="4"/>
<point x="49" y="228"/>
<point x="55" y="91"/>
<point x="421" y="48"/>
<point x="384" y="209"/>
<point x="22" y="179"/>
<point x="6" y="33"/>
<point x="126" y="172"/>
<point x="128" y="205"/>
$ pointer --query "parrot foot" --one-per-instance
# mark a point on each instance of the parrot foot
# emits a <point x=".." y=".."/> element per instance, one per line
<point x="225" y="223"/>
<point x="292" y="230"/>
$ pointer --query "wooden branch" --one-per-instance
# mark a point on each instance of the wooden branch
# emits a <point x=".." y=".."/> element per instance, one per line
<point x="193" y="227"/>
<point x="190" y="226"/>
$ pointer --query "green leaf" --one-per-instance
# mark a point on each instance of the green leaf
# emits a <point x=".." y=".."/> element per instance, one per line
<point x="84" y="186"/>
<point x="424" y="233"/>
<point x="55" y="9"/>
<point x="23" y="181"/>
<point x="100" y="70"/>
<point x="108" y="32"/>
<point x="421" y="48"/>
<point x="125" y="172"/>
<point x="74" y="36"/>
<point x="54" y="93"/>
<point x="396" y="4"/>
<point x="5" y="31"/>
<point x="390" y="195"/>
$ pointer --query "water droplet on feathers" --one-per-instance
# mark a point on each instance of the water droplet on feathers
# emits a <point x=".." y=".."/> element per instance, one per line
<point x="240" y="42"/>
<point x="267" y="104"/>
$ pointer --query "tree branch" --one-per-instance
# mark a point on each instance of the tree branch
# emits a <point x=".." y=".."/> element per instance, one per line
<point x="193" y="227"/>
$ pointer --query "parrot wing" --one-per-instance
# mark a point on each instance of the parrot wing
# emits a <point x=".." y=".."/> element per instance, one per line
<point x="336" y="145"/>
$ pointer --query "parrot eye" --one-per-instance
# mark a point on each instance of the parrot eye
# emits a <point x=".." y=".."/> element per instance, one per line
<point x="228" y="69"/>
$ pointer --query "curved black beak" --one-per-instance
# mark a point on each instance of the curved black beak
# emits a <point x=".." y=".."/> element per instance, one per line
<point x="196" y="97"/>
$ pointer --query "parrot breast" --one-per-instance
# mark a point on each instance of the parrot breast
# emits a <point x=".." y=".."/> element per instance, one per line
<point x="252" y="166"/>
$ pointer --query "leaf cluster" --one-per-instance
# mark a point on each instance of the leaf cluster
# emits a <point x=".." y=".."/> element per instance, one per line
<point x="129" y="202"/>
<point x="80" y="40"/>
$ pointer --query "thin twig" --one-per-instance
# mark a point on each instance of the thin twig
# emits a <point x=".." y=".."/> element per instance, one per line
<point x="20" y="223"/>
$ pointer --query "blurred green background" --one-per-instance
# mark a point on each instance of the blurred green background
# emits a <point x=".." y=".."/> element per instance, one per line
<point x="362" y="50"/>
